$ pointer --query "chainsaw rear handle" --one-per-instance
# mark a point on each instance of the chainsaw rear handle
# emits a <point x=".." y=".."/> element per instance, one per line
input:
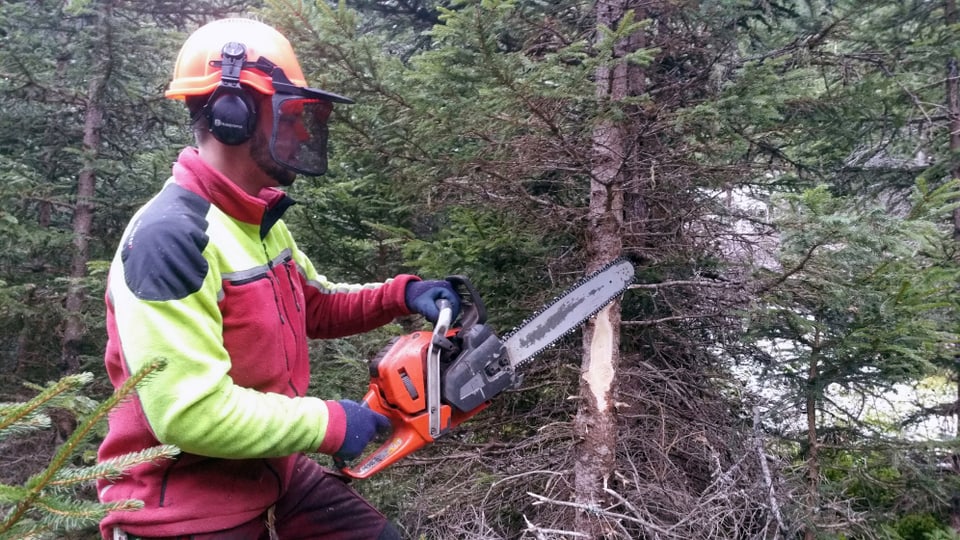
<point x="410" y="433"/>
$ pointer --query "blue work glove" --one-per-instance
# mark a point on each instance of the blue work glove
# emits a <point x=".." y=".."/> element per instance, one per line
<point x="422" y="296"/>
<point x="363" y="425"/>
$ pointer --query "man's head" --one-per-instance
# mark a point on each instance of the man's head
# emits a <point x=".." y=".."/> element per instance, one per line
<point x="243" y="86"/>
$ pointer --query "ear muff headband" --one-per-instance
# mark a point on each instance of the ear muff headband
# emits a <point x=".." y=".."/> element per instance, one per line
<point x="230" y="111"/>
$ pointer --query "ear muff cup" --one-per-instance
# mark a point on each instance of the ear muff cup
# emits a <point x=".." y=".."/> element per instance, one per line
<point x="231" y="115"/>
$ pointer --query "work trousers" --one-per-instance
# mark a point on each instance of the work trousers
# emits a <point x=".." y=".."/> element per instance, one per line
<point x="319" y="505"/>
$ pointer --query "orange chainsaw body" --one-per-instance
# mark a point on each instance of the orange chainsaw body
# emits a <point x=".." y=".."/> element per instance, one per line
<point x="397" y="391"/>
<point x="469" y="366"/>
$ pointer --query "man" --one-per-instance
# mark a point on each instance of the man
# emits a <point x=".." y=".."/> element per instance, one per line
<point x="209" y="279"/>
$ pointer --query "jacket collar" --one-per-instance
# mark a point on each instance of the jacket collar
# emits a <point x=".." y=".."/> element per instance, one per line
<point x="265" y="209"/>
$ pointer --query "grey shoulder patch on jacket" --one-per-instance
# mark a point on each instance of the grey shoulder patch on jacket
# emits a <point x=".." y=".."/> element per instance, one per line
<point x="162" y="253"/>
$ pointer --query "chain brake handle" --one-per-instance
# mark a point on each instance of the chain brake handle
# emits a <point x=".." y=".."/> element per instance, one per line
<point x="472" y="309"/>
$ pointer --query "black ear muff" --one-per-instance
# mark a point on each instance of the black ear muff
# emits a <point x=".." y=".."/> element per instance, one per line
<point x="232" y="116"/>
<point x="230" y="111"/>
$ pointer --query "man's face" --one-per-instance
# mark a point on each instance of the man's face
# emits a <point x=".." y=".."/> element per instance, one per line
<point x="291" y="136"/>
<point x="300" y="133"/>
<point x="260" y="147"/>
<point x="290" y="132"/>
<point x="260" y="152"/>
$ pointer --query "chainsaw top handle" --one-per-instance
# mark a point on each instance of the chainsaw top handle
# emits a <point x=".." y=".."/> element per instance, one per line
<point x="472" y="311"/>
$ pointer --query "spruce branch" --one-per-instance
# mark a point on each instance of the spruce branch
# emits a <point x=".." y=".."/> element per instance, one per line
<point x="11" y="494"/>
<point x="47" y="398"/>
<point x="63" y="514"/>
<point x="28" y="530"/>
<point x="28" y="423"/>
<point x="35" y="494"/>
<point x="112" y="469"/>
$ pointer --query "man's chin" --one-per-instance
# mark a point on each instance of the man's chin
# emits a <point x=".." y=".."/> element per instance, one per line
<point x="264" y="160"/>
<point x="287" y="179"/>
<point x="280" y="174"/>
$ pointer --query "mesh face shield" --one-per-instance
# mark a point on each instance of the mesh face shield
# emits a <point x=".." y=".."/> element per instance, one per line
<point x="299" y="139"/>
<point x="300" y="114"/>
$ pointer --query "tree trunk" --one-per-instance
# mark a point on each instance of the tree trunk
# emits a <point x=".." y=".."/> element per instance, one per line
<point x="596" y="424"/>
<point x="74" y="329"/>
<point x="813" y="447"/>
<point x="953" y="113"/>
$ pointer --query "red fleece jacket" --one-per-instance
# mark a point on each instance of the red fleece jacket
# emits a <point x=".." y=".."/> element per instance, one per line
<point x="209" y="279"/>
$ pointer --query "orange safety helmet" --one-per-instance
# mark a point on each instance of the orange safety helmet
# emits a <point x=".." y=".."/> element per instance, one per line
<point x="197" y="73"/>
<point x="225" y="58"/>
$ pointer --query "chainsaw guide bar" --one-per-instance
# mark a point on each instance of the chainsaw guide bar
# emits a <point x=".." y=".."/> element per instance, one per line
<point x="567" y="312"/>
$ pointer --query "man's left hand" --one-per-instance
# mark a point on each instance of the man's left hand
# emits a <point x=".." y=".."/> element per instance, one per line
<point x="422" y="296"/>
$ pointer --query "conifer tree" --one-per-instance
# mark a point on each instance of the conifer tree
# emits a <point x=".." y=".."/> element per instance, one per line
<point x="842" y="95"/>
<point x="51" y="504"/>
<point x="482" y="142"/>
<point x="84" y="139"/>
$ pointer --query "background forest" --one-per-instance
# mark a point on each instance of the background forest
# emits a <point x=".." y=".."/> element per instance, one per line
<point x="782" y="172"/>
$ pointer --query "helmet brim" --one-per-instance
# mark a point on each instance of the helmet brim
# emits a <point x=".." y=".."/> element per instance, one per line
<point x="323" y="94"/>
<point x="196" y="89"/>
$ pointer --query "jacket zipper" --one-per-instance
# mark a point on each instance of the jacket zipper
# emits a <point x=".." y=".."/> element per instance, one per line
<point x="297" y="342"/>
<point x="280" y="304"/>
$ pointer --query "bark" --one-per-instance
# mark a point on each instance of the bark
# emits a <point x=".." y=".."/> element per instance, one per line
<point x="774" y="502"/>
<point x="953" y="113"/>
<point x="596" y="422"/>
<point x="22" y="357"/>
<point x="953" y="108"/>
<point x="813" y="446"/>
<point x="74" y="328"/>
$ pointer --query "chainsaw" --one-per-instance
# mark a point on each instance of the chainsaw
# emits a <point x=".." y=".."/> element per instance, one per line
<point x="428" y="383"/>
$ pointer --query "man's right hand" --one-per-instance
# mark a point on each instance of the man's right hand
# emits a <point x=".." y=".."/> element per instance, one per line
<point x="363" y="425"/>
